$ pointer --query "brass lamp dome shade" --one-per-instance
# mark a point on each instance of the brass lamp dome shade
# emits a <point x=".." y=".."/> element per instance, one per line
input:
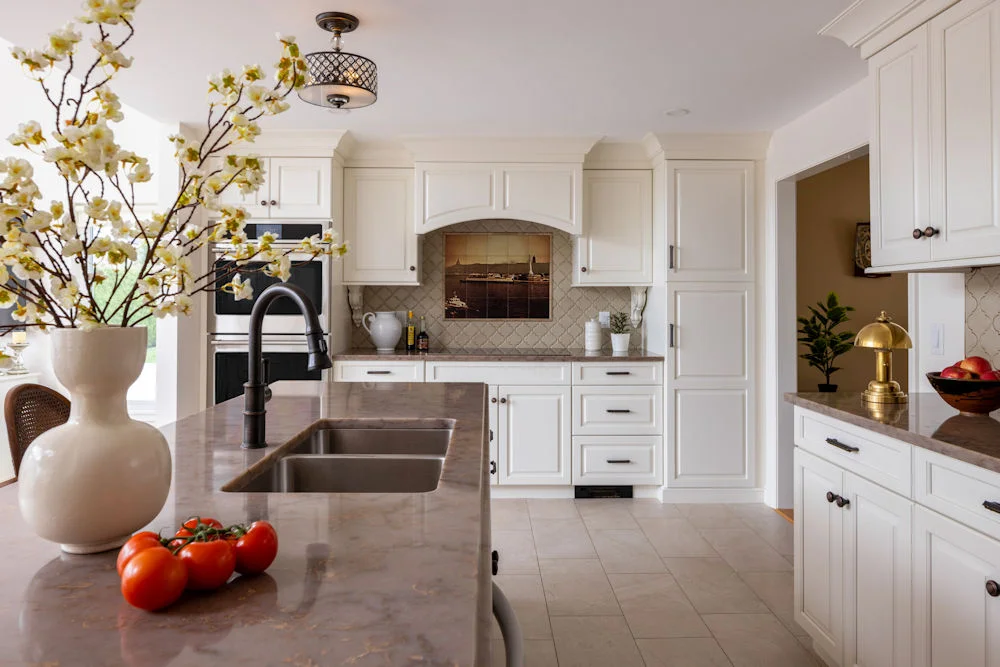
<point x="883" y="335"/>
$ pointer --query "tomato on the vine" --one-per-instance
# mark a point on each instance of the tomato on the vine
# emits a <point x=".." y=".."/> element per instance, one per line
<point x="136" y="543"/>
<point x="209" y="564"/>
<point x="153" y="579"/>
<point x="256" y="548"/>
<point x="189" y="527"/>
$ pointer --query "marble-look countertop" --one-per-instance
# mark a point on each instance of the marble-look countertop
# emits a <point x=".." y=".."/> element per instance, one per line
<point x="498" y="354"/>
<point x="925" y="421"/>
<point x="360" y="579"/>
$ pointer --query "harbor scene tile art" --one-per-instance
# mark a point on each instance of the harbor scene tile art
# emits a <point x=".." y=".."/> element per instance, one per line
<point x="498" y="276"/>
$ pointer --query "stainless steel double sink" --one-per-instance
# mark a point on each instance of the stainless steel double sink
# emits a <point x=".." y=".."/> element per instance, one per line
<point x="354" y="459"/>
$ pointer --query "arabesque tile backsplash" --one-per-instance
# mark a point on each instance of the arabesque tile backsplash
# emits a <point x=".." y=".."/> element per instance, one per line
<point x="571" y="306"/>
<point x="982" y="313"/>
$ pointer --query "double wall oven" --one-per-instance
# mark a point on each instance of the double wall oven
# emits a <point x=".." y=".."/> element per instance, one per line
<point x="285" y="349"/>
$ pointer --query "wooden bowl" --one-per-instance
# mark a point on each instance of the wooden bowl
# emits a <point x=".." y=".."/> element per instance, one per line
<point x="970" y="397"/>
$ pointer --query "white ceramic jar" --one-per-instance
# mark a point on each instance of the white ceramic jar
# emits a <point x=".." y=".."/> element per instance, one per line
<point x="592" y="336"/>
<point x="384" y="328"/>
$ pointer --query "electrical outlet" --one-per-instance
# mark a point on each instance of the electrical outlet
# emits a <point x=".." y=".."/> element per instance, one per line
<point x="604" y="317"/>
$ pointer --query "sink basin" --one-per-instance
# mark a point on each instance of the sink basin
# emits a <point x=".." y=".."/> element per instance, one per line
<point x="396" y="442"/>
<point x="346" y="473"/>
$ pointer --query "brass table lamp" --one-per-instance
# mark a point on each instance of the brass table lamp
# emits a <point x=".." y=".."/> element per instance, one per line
<point x="883" y="335"/>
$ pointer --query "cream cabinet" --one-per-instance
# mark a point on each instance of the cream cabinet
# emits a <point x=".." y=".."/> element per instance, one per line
<point x="378" y="227"/>
<point x="293" y="188"/>
<point x="616" y="247"/>
<point x="452" y="192"/>
<point x="534" y="435"/>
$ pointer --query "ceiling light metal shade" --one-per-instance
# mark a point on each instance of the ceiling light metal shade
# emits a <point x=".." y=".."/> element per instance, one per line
<point x="336" y="79"/>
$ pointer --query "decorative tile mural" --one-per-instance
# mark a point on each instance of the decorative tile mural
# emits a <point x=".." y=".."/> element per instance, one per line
<point x="571" y="306"/>
<point x="982" y="313"/>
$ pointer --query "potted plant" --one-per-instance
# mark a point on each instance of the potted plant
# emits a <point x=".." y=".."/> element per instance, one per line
<point x="822" y="342"/>
<point x="620" y="328"/>
<point x="87" y="265"/>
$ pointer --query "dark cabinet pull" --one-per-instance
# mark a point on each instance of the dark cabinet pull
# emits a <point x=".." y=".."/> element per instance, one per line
<point x="379" y="372"/>
<point x="618" y="411"/>
<point x="274" y="203"/>
<point x="671" y="344"/>
<point x="496" y="561"/>
<point x="926" y="232"/>
<point x="413" y="268"/>
<point x="493" y="400"/>
<point x="839" y="445"/>
<point x="583" y="269"/>
<point x="831" y="496"/>
<point x="503" y="400"/>
<point x="493" y="464"/>
<point x="670" y="260"/>
<point x="491" y="440"/>
<point x="992" y="588"/>
<point x="992" y="506"/>
<point x="842" y="501"/>
<point x="617" y="373"/>
<point x="263" y="202"/>
<point x="619" y="460"/>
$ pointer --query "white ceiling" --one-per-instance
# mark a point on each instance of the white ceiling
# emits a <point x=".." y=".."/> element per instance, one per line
<point x="518" y="67"/>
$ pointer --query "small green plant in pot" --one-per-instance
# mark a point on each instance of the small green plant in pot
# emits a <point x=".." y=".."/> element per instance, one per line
<point x="822" y="342"/>
<point x="620" y="328"/>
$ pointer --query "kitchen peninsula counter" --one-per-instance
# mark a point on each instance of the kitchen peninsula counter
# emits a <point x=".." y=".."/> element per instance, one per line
<point x="360" y="579"/>
<point x="497" y="354"/>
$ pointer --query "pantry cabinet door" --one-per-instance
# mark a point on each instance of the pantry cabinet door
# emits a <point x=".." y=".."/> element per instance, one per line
<point x="617" y="244"/>
<point x="378" y="227"/>
<point x="300" y="188"/>
<point x="534" y="435"/>
<point x="955" y="619"/>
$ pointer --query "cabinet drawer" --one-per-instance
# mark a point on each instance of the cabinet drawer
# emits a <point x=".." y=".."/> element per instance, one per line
<point x="875" y="457"/>
<point x="378" y="371"/>
<point x="617" y="373"/>
<point x="958" y="489"/>
<point x="617" y="410"/>
<point x="617" y="460"/>
<point x="499" y="373"/>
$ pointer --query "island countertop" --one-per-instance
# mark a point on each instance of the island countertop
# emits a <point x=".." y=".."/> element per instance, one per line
<point x="360" y="579"/>
<point x="925" y="421"/>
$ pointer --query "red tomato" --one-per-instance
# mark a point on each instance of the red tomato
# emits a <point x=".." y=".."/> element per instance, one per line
<point x="136" y="543"/>
<point x="209" y="564"/>
<point x="255" y="550"/>
<point x="153" y="579"/>
<point x="188" y="527"/>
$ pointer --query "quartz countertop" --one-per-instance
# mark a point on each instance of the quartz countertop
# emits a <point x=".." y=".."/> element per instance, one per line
<point x="925" y="421"/>
<point x="498" y="354"/>
<point x="360" y="579"/>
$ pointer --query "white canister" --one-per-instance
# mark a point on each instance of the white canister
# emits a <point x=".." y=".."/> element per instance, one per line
<point x="592" y="335"/>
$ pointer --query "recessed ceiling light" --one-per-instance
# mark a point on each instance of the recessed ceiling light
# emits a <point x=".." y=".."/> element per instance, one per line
<point x="678" y="112"/>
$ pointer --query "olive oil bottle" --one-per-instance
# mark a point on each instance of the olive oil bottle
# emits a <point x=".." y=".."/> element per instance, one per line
<point x="411" y="332"/>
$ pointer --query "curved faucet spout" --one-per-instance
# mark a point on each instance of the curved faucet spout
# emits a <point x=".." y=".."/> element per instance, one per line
<point x="253" y="396"/>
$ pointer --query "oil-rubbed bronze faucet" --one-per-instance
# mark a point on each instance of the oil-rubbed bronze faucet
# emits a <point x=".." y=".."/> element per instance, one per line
<point x="256" y="386"/>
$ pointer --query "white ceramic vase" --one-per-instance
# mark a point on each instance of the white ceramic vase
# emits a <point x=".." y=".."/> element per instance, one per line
<point x="92" y="482"/>
<point x="619" y="343"/>
<point x="384" y="328"/>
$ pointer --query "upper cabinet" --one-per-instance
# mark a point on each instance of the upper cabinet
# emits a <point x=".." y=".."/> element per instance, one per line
<point x="294" y="188"/>
<point x="452" y="192"/>
<point x="935" y="152"/>
<point x="378" y="226"/>
<point x="616" y="247"/>
<point x="710" y="220"/>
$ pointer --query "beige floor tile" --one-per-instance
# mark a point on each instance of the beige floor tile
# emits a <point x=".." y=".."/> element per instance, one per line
<point x="675" y="537"/>
<point x="650" y="508"/>
<point x="774" y="530"/>
<point x="606" y="514"/>
<point x="517" y="551"/>
<point x="594" y="641"/>
<point x="776" y="589"/>
<point x="577" y="587"/>
<point x="538" y="653"/>
<point x="509" y="514"/>
<point x="626" y="551"/>
<point x="744" y="550"/>
<point x="710" y="515"/>
<point x="528" y="599"/>
<point x="713" y="587"/>
<point x="757" y="640"/>
<point x="552" y="508"/>
<point x="655" y="607"/>
<point x="744" y="510"/>
<point x="562" y="538"/>
<point x="682" y="653"/>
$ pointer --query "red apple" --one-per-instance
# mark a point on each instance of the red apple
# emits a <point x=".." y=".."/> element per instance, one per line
<point x="975" y="365"/>
<point x="990" y="375"/>
<point x="956" y="373"/>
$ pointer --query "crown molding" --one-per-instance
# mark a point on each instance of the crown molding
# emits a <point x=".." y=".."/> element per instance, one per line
<point x="617" y="155"/>
<point x="872" y="25"/>
<point x="295" y="143"/>
<point x="748" y="146"/>
<point x="499" y="149"/>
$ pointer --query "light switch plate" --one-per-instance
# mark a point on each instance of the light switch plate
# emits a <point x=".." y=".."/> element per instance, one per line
<point x="937" y="339"/>
<point x="604" y="317"/>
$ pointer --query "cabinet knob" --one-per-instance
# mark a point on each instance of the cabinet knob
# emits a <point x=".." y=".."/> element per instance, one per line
<point x="503" y="400"/>
<point x="926" y="232"/>
<point x="493" y="400"/>
<point x="992" y="588"/>
<point x="274" y="203"/>
<point x="583" y="269"/>
<point x="263" y="202"/>
<point x="831" y="496"/>
<point x="413" y="268"/>
<point x="493" y="467"/>
<point x="842" y="502"/>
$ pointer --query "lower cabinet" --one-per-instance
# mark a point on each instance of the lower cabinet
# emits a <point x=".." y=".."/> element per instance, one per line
<point x="534" y="434"/>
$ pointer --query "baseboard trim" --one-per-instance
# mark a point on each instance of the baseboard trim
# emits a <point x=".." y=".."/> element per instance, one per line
<point x="504" y="492"/>
<point x="667" y="495"/>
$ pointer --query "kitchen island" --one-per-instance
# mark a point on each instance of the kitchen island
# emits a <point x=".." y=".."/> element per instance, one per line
<point x="360" y="579"/>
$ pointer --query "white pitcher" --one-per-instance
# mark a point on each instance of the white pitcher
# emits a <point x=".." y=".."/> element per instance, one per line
<point x="385" y="329"/>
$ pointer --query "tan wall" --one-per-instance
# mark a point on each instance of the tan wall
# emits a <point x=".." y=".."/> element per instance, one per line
<point x="828" y="207"/>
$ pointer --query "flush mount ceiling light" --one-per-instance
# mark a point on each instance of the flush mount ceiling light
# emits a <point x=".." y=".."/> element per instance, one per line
<point x="336" y="79"/>
<point x="677" y="113"/>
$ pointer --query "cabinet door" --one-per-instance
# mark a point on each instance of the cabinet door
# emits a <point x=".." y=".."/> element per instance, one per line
<point x="710" y="220"/>
<point x="616" y="247"/>
<point x="378" y="225"/>
<point x="256" y="202"/>
<point x="547" y="194"/>
<point x="494" y="411"/>
<point x="965" y="134"/>
<point x="534" y="435"/>
<point x="878" y="535"/>
<point x="300" y="188"/>
<point x="710" y="408"/>
<point x="819" y="553"/>
<point x="955" y="620"/>
<point x="448" y="193"/>
<point x="899" y="157"/>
